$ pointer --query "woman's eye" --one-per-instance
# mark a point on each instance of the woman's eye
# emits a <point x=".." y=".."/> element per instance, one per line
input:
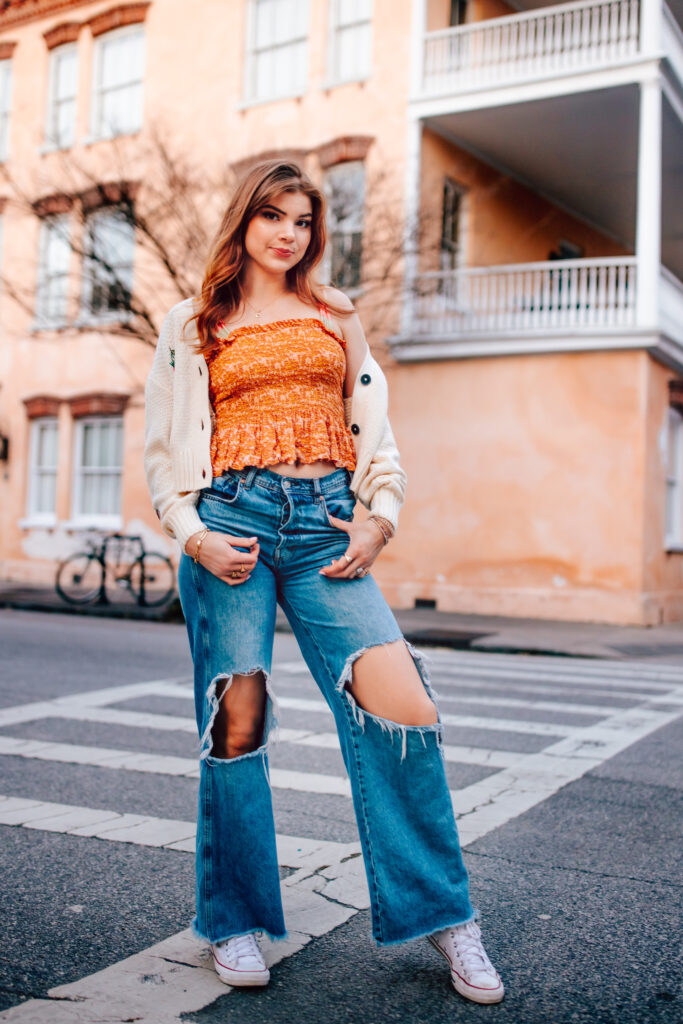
<point x="304" y="224"/>
<point x="270" y="215"/>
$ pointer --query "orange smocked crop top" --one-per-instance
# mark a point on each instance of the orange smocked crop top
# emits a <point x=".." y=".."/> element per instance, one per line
<point x="277" y="394"/>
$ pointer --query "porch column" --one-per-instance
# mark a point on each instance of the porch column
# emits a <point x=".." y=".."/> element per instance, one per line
<point x="649" y="194"/>
<point x="418" y="29"/>
<point x="412" y="215"/>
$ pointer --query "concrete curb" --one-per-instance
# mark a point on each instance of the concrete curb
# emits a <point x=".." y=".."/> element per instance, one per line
<point x="427" y="627"/>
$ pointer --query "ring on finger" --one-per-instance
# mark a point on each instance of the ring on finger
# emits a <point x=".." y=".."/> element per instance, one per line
<point x="348" y="559"/>
<point x="235" y="575"/>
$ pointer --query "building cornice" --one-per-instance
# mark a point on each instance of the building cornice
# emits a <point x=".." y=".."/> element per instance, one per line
<point x="98" y="403"/>
<point x="41" y="405"/>
<point x="343" y="149"/>
<point x="49" y="206"/>
<point x="118" y="17"/>
<point x="65" y="32"/>
<point x="19" y="12"/>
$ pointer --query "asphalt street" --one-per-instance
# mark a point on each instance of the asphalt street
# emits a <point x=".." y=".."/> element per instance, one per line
<point x="566" y="776"/>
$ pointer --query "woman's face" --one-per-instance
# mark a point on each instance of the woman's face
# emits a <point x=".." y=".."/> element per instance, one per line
<point x="278" y="235"/>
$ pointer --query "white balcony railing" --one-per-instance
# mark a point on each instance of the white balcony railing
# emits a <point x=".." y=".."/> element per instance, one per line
<point x="559" y="295"/>
<point x="551" y="40"/>
<point x="671" y="305"/>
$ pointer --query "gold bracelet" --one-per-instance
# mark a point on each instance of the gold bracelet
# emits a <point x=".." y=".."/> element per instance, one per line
<point x="202" y="535"/>
<point x="386" y="523"/>
<point x="384" y="526"/>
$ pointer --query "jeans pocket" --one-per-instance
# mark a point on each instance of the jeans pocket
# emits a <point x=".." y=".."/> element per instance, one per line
<point x="225" y="489"/>
<point x="340" y="506"/>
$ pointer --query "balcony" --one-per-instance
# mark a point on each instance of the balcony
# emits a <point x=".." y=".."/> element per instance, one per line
<point x="550" y="43"/>
<point x="559" y="305"/>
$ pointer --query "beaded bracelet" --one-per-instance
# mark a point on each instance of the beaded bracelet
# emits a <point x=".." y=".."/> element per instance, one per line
<point x="202" y="535"/>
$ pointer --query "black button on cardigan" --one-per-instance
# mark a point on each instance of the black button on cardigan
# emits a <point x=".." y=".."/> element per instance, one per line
<point x="366" y="378"/>
<point x="355" y="429"/>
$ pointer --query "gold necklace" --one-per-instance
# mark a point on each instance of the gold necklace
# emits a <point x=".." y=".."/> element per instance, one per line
<point x="257" y="312"/>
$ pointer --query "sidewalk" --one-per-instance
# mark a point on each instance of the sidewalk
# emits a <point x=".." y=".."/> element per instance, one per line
<point x="429" y="628"/>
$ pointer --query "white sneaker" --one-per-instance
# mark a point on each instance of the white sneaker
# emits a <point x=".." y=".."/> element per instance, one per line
<point x="472" y="973"/>
<point x="239" y="961"/>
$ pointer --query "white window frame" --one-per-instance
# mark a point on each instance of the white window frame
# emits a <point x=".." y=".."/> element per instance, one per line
<point x="94" y="273"/>
<point x="454" y="294"/>
<point x="673" y="499"/>
<point x="254" y="50"/>
<point x="53" y="140"/>
<point x="5" y="106"/>
<point x="51" y="229"/>
<point x="356" y="227"/>
<point x="340" y="26"/>
<point x="35" y="517"/>
<point x="98" y="130"/>
<point x="93" y="520"/>
<point x="445" y="253"/>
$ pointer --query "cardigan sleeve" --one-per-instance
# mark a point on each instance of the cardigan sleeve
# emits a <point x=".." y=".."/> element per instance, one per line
<point x="383" y="488"/>
<point x="177" y="512"/>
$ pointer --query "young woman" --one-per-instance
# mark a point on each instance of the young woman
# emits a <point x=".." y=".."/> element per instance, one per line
<point x="266" y="421"/>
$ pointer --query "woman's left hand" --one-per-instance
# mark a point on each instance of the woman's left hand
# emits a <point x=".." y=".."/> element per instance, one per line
<point x="365" y="543"/>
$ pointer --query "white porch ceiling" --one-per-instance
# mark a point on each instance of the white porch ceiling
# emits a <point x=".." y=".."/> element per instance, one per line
<point x="676" y="6"/>
<point x="581" y="151"/>
<point x="672" y="190"/>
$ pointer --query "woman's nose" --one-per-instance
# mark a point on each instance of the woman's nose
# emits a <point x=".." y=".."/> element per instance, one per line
<point x="286" y="231"/>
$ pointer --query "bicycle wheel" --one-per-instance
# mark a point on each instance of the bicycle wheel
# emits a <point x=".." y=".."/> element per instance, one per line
<point x="152" y="579"/>
<point x="79" y="578"/>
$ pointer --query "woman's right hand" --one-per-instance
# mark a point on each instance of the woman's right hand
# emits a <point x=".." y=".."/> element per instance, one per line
<point x="218" y="555"/>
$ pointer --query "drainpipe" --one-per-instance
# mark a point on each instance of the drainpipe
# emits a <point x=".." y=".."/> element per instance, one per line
<point x="649" y="191"/>
<point x="418" y="27"/>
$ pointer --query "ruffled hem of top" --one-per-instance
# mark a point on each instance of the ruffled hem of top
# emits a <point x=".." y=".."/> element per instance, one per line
<point x="302" y="439"/>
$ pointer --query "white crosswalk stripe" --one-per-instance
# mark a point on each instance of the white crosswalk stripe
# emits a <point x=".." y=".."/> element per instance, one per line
<point x="579" y="712"/>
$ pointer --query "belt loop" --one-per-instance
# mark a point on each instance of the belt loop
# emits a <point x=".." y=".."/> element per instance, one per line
<point x="317" y="489"/>
<point x="249" y="478"/>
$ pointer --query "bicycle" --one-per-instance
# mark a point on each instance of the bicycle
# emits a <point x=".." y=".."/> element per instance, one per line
<point x="146" y="576"/>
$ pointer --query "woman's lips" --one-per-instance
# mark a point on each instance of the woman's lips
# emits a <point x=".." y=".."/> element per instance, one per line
<point x="283" y="252"/>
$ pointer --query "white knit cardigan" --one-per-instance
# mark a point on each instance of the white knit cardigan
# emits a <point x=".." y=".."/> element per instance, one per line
<point x="179" y="421"/>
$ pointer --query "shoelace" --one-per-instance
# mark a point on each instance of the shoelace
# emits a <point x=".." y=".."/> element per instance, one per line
<point x="244" y="945"/>
<point x="470" y="949"/>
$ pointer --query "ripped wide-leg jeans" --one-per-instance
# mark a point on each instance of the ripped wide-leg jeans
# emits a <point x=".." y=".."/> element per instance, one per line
<point x="416" y="876"/>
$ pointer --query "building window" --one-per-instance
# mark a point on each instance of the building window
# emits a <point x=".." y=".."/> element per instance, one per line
<point x="345" y="191"/>
<point x="5" y="105"/>
<point x="458" y="14"/>
<point x="277" y="49"/>
<point x="60" y="126"/>
<point x="117" y="86"/>
<point x="98" y="469"/>
<point x="351" y="39"/>
<point x="451" y="225"/>
<point x="42" y="482"/>
<point x="674" y="480"/>
<point x="53" y="271"/>
<point x="108" y="263"/>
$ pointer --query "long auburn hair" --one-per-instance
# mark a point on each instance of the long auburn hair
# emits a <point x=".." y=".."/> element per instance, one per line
<point x="222" y="289"/>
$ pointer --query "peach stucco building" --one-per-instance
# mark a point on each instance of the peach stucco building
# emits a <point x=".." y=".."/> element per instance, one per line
<point x="504" y="184"/>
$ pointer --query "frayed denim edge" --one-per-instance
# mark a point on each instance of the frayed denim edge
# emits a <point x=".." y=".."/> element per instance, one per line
<point x="270" y="728"/>
<point x="423" y="934"/>
<point x="251" y="931"/>
<point x="386" y="724"/>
